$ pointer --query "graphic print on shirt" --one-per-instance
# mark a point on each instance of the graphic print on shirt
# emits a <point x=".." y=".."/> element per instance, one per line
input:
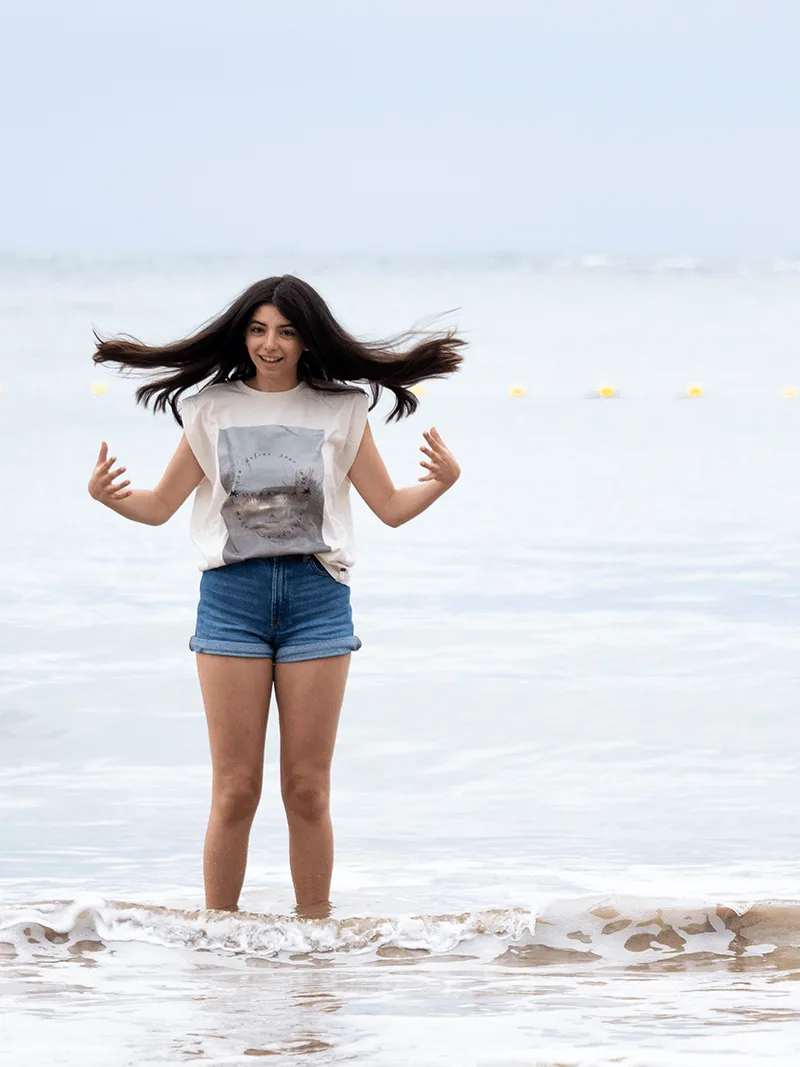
<point x="273" y="476"/>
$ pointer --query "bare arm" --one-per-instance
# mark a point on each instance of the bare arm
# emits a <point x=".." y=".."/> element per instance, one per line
<point x="150" y="506"/>
<point x="396" y="506"/>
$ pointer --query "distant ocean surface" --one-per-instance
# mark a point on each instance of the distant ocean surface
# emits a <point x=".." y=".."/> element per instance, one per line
<point x="566" y="790"/>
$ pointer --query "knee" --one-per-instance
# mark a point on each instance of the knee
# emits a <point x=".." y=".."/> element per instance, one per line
<point x="236" y="797"/>
<point x="306" y="796"/>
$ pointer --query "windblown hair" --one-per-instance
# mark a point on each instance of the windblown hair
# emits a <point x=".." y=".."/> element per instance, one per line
<point x="333" y="358"/>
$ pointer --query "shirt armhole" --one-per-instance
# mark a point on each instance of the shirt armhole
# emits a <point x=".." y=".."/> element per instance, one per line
<point x="193" y="430"/>
<point x="355" y="432"/>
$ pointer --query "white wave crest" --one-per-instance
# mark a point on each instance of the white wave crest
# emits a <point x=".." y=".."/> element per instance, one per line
<point x="615" y="929"/>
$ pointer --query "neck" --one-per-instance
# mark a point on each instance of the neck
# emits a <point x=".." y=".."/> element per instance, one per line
<point x="265" y="383"/>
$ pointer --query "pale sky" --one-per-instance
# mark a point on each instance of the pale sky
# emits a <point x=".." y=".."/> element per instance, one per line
<point x="560" y="126"/>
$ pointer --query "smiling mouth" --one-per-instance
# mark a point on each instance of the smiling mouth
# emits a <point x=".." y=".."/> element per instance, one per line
<point x="270" y="359"/>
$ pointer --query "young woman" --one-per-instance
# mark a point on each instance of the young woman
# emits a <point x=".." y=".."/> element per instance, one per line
<point x="272" y="442"/>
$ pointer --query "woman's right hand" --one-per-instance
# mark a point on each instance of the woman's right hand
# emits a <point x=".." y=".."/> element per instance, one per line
<point x="101" y="483"/>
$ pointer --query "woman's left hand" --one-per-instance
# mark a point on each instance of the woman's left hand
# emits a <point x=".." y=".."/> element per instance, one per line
<point x="442" y="467"/>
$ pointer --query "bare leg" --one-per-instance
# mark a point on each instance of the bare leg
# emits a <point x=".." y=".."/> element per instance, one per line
<point x="309" y="696"/>
<point x="236" y="693"/>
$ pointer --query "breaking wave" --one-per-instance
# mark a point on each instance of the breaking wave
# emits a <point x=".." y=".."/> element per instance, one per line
<point x="622" y="931"/>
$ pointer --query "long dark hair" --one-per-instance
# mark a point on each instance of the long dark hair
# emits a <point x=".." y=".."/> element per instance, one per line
<point x="333" y="357"/>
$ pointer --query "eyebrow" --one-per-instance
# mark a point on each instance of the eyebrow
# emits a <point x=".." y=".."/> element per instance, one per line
<point x="258" y="322"/>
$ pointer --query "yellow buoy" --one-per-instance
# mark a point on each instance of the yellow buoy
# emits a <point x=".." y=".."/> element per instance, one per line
<point x="606" y="391"/>
<point x="789" y="391"/>
<point x="517" y="390"/>
<point x="99" y="389"/>
<point x="417" y="390"/>
<point x="694" y="391"/>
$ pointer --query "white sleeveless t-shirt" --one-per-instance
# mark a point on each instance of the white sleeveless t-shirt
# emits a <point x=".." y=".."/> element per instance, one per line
<point x="276" y="473"/>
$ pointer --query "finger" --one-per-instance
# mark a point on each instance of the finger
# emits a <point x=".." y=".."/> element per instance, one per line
<point x="117" y="472"/>
<point x="427" y="478"/>
<point x="101" y="458"/>
<point x="122" y="495"/>
<point x="434" y="444"/>
<point x="427" y="451"/>
<point x="109" y="463"/>
<point x="116" y="488"/>
<point x="427" y="466"/>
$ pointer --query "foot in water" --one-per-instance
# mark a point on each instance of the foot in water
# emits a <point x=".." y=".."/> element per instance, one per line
<point x="323" y="909"/>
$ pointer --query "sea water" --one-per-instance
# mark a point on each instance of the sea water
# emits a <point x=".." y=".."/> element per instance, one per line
<point x="565" y="791"/>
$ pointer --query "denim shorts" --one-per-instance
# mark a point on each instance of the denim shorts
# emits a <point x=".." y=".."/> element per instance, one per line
<point x="286" y="608"/>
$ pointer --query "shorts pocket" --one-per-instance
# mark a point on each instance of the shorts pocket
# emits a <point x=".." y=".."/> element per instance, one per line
<point x="315" y="565"/>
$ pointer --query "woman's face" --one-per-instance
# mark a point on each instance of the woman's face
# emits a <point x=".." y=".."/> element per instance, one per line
<point x="274" y="347"/>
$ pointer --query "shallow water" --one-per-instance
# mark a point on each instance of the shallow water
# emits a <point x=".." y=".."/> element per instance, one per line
<point x="565" y="790"/>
